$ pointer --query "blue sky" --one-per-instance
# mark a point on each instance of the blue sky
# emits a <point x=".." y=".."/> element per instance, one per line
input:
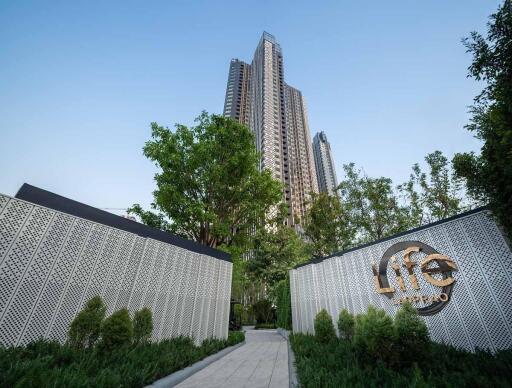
<point x="81" y="81"/>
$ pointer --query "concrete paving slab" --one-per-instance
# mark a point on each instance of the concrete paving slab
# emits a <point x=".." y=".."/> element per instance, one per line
<point x="261" y="362"/>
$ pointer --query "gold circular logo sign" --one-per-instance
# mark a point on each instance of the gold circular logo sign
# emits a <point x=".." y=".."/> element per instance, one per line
<point x="436" y="269"/>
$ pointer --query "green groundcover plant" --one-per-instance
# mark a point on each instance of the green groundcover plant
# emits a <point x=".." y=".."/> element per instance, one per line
<point x="123" y="356"/>
<point x="415" y="361"/>
<point x="49" y="364"/>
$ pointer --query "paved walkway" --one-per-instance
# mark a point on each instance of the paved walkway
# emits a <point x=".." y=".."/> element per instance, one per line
<point x="261" y="362"/>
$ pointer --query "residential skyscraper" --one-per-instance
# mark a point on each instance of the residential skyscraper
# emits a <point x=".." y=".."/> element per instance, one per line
<point x="256" y="95"/>
<point x="324" y="164"/>
<point x="303" y="177"/>
<point x="236" y="104"/>
<point x="267" y="107"/>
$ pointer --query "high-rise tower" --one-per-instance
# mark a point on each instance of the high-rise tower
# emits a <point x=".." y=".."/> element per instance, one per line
<point x="303" y="177"/>
<point x="324" y="164"/>
<point x="236" y="104"/>
<point x="256" y="95"/>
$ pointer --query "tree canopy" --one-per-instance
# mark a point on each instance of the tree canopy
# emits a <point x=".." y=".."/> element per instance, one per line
<point x="489" y="175"/>
<point x="209" y="187"/>
<point x="433" y="195"/>
<point x="370" y="209"/>
<point x="372" y="205"/>
<point x="276" y="250"/>
<point x="328" y="226"/>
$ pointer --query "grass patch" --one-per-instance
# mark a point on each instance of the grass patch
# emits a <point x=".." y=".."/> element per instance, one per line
<point x="341" y="363"/>
<point x="50" y="364"/>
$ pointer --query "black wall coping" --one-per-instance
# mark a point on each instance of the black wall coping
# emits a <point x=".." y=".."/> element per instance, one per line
<point x="320" y="259"/>
<point x="56" y="202"/>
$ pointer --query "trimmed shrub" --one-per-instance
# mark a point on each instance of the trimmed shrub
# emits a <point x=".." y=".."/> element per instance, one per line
<point x="116" y="330"/>
<point x="142" y="326"/>
<point x="412" y="340"/>
<point x="85" y="328"/>
<point x="324" y="329"/>
<point x="346" y="325"/>
<point x="374" y="334"/>
<point x="284" y="304"/>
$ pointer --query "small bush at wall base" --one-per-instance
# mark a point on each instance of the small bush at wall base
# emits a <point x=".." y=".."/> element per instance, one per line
<point x="324" y="329"/>
<point x="142" y="326"/>
<point x="116" y="330"/>
<point x="346" y="324"/>
<point x="412" y="340"/>
<point x="85" y="328"/>
<point x="375" y="334"/>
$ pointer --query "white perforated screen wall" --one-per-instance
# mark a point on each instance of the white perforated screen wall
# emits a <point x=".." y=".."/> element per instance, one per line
<point x="51" y="263"/>
<point x="479" y="313"/>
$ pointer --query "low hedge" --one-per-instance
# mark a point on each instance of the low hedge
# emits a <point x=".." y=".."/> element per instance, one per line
<point x="49" y="364"/>
<point x="392" y="353"/>
<point x="235" y="337"/>
<point x="262" y="326"/>
<point x="339" y="364"/>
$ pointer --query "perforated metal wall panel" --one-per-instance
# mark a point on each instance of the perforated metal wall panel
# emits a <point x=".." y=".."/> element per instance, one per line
<point x="479" y="312"/>
<point x="52" y="263"/>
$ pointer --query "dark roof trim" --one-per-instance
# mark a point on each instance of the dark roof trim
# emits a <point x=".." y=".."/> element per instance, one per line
<point x="65" y="205"/>
<point x="320" y="259"/>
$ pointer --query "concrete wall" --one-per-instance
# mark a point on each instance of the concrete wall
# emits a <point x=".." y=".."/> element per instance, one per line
<point x="479" y="312"/>
<point x="51" y="263"/>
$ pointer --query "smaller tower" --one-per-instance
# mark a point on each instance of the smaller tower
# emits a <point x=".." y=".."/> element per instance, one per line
<point x="237" y="103"/>
<point x="324" y="164"/>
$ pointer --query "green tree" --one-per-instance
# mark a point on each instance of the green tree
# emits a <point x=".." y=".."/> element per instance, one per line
<point x="116" y="330"/>
<point x="276" y="250"/>
<point x="433" y="195"/>
<point x="209" y="187"/>
<point x="246" y="288"/>
<point x="155" y="220"/>
<point x="142" y="325"/>
<point x="372" y="205"/>
<point x="85" y="328"/>
<point x="489" y="175"/>
<point x="328" y="226"/>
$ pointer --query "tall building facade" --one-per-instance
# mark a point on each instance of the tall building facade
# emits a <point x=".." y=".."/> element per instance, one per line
<point x="324" y="164"/>
<point x="257" y="96"/>
<point x="303" y="177"/>
<point x="236" y="104"/>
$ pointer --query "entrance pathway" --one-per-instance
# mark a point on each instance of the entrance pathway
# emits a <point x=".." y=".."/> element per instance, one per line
<point x="261" y="362"/>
